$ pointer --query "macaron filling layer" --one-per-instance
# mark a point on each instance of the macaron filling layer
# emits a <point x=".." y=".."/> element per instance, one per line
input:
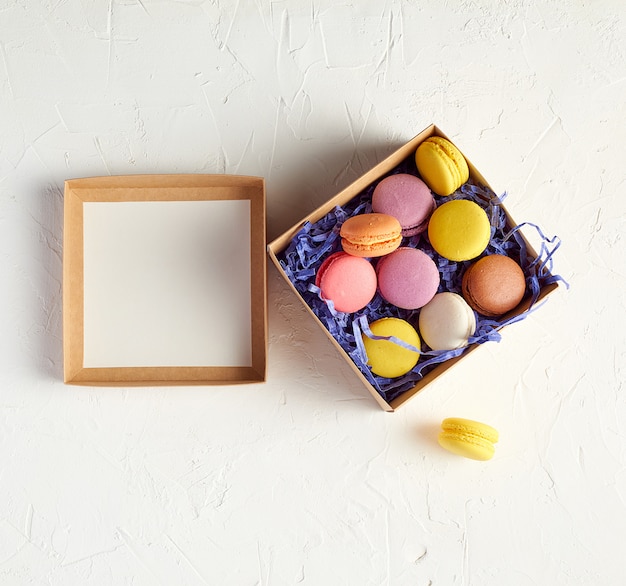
<point x="373" y="248"/>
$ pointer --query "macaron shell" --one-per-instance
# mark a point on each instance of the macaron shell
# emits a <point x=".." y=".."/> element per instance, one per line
<point x="407" y="198"/>
<point x="348" y="281"/>
<point x="446" y="322"/>
<point x="493" y="285"/>
<point x="370" y="235"/>
<point x="459" y="230"/>
<point x="441" y="165"/>
<point x="386" y="358"/>
<point x="407" y="278"/>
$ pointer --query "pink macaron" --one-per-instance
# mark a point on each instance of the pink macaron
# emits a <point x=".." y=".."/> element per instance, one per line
<point x="348" y="281"/>
<point x="407" y="278"/>
<point x="408" y="199"/>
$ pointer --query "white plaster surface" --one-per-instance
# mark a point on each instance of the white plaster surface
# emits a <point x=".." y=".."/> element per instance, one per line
<point x="304" y="479"/>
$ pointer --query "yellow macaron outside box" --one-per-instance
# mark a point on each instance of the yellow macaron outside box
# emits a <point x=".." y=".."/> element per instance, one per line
<point x="300" y="251"/>
<point x="164" y="280"/>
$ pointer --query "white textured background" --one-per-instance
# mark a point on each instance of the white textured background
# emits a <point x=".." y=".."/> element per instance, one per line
<point x="304" y="480"/>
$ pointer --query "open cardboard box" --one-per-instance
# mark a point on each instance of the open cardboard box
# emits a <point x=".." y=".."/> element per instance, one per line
<point x="164" y="280"/>
<point x="277" y="246"/>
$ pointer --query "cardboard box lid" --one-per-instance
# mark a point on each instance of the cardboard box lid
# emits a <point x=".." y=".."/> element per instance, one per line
<point x="164" y="280"/>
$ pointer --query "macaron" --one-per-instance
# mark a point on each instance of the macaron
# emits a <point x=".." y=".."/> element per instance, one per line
<point x="446" y="322"/>
<point x="407" y="198"/>
<point x="459" y="230"/>
<point x="493" y="285"/>
<point x="370" y="235"/>
<point x="387" y="358"/>
<point x="468" y="438"/>
<point x="407" y="278"/>
<point x="348" y="281"/>
<point x="441" y="165"/>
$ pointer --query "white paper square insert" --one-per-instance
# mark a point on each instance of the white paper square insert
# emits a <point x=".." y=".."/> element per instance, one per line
<point x="167" y="283"/>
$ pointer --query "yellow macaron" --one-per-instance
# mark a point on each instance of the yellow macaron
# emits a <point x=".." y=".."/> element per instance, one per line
<point x="385" y="357"/>
<point x="441" y="165"/>
<point x="459" y="230"/>
<point x="468" y="438"/>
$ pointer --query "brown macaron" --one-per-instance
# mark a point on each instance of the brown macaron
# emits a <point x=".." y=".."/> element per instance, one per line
<point x="493" y="285"/>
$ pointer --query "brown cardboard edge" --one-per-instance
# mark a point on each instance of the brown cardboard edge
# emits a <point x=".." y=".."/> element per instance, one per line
<point x="258" y="283"/>
<point x="282" y="241"/>
<point x="73" y="300"/>
<point x="166" y="376"/>
<point x="187" y="187"/>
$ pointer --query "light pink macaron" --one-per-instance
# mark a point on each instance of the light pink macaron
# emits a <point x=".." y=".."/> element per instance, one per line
<point x="348" y="281"/>
<point x="407" y="278"/>
<point x="408" y="199"/>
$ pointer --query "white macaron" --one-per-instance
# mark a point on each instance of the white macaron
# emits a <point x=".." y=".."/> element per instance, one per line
<point x="446" y="322"/>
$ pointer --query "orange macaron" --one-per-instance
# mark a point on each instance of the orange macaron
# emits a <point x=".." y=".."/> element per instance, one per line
<point x="370" y="235"/>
